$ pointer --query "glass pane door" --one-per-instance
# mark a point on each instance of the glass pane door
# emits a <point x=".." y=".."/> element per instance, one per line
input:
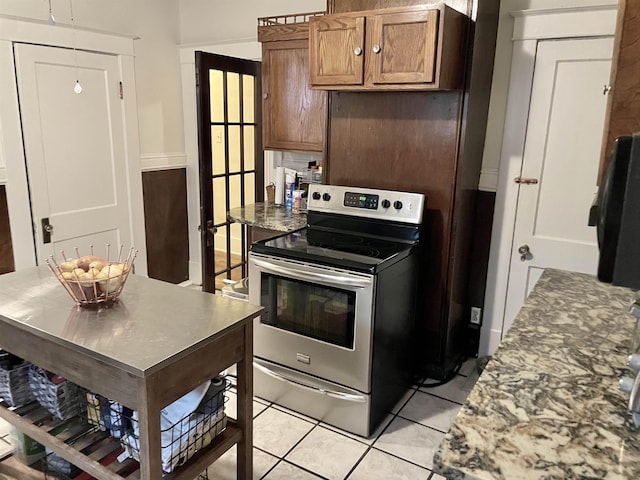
<point x="231" y="160"/>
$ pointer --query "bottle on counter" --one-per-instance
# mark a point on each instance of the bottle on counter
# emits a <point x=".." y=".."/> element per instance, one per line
<point x="290" y="185"/>
<point x="297" y="201"/>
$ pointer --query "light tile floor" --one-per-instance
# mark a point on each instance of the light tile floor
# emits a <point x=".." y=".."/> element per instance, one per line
<point x="291" y="446"/>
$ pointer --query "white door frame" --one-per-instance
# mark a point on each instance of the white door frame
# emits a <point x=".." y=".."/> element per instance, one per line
<point x="529" y="27"/>
<point x="11" y="146"/>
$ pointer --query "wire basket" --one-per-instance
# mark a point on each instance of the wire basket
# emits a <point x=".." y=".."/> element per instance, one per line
<point x="91" y="280"/>
<point x="59" y="396"/>
<point x="86" y="437"/>
<point x="180" y="438"/>
<point x="14" y="383"/>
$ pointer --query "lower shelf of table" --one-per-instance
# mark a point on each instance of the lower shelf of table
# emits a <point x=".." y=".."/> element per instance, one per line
<point x="93" y="451"/>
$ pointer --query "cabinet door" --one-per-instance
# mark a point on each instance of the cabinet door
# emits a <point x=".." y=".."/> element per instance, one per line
<point x="402" y="47"/>
<point x="337" y="50"/>
<point x="294" y="116"/>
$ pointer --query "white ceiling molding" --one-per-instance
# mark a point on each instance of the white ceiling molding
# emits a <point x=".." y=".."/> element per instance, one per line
<point x="564" y="22"/>
<point x="16" y="29"/>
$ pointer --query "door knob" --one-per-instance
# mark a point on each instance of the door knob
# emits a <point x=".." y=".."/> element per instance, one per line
<point x="208" y="233"/>
<point x="47" y="230"/>
<point x="525" y="253"/>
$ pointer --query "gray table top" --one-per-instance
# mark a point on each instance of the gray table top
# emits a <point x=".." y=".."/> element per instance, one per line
<point x="151" y="324"/>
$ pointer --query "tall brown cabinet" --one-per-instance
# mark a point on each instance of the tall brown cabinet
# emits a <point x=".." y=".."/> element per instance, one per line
<point x="419" y="131"/>
<point x="623" y="104"/>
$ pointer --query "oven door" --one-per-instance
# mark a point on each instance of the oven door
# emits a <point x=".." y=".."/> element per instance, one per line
<point x="318" y="320"/>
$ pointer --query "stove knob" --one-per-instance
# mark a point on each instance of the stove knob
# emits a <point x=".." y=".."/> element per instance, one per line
<point x="634" y="397"/>
<point x="397" y="205"/>
<point x="326" y="197"/>
<point x="316" y="195"/>
<point x="386" y="203"/>
<point x="626" y="384"/>
<point x="633" y="362"/>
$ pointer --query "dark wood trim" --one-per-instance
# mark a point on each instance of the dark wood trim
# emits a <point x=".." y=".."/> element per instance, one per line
<point x="479" y="262"/>
<point x="166" y="227"/>
<point x="623" y="103"/>
<point x="6" y="246"/>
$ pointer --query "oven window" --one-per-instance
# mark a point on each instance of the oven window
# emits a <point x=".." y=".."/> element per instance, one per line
<point x="315" y="311"/>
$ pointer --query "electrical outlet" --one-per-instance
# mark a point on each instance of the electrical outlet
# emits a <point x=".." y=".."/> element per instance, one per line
<point x="476" y="313"/>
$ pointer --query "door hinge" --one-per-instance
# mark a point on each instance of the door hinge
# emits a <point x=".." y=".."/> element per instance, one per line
<point x="121" y="92"/>
<point x="525" y="181"/>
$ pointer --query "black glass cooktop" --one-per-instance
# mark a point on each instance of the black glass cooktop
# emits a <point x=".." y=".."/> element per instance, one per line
<point x="350" y="251"/>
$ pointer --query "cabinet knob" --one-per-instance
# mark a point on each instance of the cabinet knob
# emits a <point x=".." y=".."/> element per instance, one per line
<point x="357" y="51"/>
<point x="376" y="49"/>
<point x="265" y="96"/>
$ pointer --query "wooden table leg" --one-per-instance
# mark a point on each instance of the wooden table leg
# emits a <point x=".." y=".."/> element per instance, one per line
<point x="149" y="431"/>
<point x="245" y="407"/>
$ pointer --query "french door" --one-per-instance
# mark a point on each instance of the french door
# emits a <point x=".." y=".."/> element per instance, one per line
<point x="231" y="160"/>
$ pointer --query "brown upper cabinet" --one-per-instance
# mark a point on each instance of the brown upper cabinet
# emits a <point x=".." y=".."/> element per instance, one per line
<point x="410" y="48"/>
<point x="294" y="116"/>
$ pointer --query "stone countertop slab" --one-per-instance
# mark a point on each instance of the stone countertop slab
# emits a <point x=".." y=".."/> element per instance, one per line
<point x="547" y="406"/>
<point x="268" y="216"/>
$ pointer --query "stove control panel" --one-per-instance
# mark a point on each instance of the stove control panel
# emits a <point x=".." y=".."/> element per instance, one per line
<point x="367" y="202"/>
<point x="361" y="200"/>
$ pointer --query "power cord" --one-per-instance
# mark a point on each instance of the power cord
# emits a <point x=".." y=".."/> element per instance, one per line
<point x="450" y="377"/>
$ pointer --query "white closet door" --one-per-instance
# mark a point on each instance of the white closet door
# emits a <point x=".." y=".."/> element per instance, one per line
<point x="74" y="149"/>
<point x="562" y="150"/>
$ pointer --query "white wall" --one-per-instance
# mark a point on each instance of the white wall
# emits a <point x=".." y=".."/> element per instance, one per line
<point x="156" y="61"/>
<point x="223" y="21"/>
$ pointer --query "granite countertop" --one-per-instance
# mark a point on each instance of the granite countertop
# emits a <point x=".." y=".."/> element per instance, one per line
<point x="547" y="406"/>
<point x="269" y="216"/>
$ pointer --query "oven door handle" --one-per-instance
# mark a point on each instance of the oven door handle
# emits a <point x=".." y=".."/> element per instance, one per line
<point x="337" y="280"/>
<point x="330" y="393"/>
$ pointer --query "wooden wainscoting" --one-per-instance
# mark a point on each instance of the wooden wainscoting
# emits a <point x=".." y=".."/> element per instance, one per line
<point x="165" y="218"/>
<point x="6" y="247"/>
